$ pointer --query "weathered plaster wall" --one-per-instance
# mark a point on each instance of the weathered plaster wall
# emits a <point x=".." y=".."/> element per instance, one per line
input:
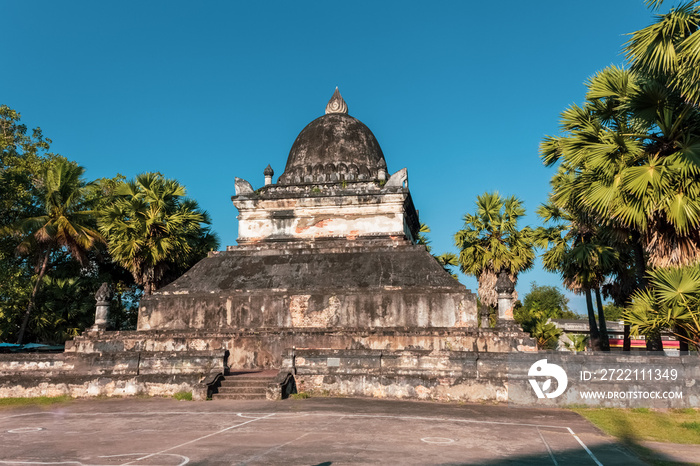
<point x="475" y="376"/>
<point x="105" y="373"/>
<point x="301" y="286"/>
<point x="265" y="348"/>
<point x="289" y="309"/>
<point x="293" y="213"/>
<point x="437" y="375"/>
<point x="312" y="218"/>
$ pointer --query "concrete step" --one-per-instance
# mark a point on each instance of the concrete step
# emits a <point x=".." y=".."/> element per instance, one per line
<point x="242" y="390"/>
<point x="245" y="383"/>
<point x="238" y="396"/>
<point x="245" y="386"/>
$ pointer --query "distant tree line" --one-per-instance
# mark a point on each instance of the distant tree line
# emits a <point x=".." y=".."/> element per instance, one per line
<point x="61" y="237"/>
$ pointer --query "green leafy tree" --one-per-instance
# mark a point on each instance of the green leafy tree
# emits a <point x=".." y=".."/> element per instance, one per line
<point x="550" y="299"/>
<point x="491" y="242"/>
<point x="154" y="231"/>
<point x="64" y="225"/>
<point x="23" y="154"/>
<point x="613" y="312"/>
<point x="547" y="299"/>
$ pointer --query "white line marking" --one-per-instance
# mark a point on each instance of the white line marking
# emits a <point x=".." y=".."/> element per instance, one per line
<point x="129" y="413"/>
<point x="260" y="455"/>
<point x="549" y="450"/>
<point x="420" y="418"/>
<point x="22" y="430"/>
<point x="590" y="453"/>
<point x="209" y="413"/>
<point x="438" y="440"/>
<point x="183" y="458"/>
<point x="277" y="415"/>
<point x="198" y="439"/>
<point x="40" y="462"/>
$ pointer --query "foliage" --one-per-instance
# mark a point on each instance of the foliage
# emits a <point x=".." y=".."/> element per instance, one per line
<point x="22" y="158"/>
<point x="582" y="252"/>
<point x="542" y="303"/>
<point x="546" y="334"/>
<point x="491" y="242"/>
<point x="672" y="301"/>
<point x="154" y="231"/>
<point x="447" y="260"/>
<point x="47" y="210"/>
<point x="64" y="225"/>
<point x="613" y="312"/>
<point x="631" y="156"/>
<point x="422" y="237"/>
<point x="577" y="342"/>
<point x="669" y="49"/>
<point x="548" y="298"/>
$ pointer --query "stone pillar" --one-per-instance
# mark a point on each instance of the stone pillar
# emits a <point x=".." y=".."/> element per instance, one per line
<point x="505" y="288"/>
<point x="102" y="298"/>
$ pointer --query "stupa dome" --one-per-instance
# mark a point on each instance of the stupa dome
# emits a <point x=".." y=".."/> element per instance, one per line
<point x="334" y="147"/>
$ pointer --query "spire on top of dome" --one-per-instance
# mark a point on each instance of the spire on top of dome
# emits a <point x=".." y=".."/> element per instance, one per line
<point x="336" y="104"/>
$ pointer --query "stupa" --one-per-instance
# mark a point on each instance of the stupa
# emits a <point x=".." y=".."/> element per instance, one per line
<point x="327" y="269"/>
<point x="331" y="245"/>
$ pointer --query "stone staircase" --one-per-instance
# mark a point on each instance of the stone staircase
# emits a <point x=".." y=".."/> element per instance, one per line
<point x="245" y="385"/>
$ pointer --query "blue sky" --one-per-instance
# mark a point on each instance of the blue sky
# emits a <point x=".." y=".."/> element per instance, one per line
<point x="460" y="93"/>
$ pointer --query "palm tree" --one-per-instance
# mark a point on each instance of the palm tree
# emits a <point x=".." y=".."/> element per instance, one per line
<point x="154" y="231"/>
<point x="632" y="150"/>
<point x="491" y="242"/>
<point x="583" y="254"/>
<point x="672" y="301"/>
<point x="64" y="224"/>
<point x="669" y="49"/>
<point x="631" y="155"/>
<point x="448" y="260"/>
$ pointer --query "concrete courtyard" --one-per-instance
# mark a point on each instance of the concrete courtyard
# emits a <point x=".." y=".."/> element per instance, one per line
<point x="316" y="431"/>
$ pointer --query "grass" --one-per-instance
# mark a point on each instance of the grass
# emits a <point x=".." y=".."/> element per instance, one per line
<point x="633" y="426"/>
<point x="180" y="396"/>
<point x="36" y="401"/>
<point x="299" y="396"/>
<point x="671" y="426"/>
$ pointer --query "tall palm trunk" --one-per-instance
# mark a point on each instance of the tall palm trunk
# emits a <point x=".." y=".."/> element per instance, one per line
<point x="32" y="299"/>
<point x="653" y="341"/>
<point x="640" y="270"/>
<point x="595" y="335"/>
<point x="603" y="326"/>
